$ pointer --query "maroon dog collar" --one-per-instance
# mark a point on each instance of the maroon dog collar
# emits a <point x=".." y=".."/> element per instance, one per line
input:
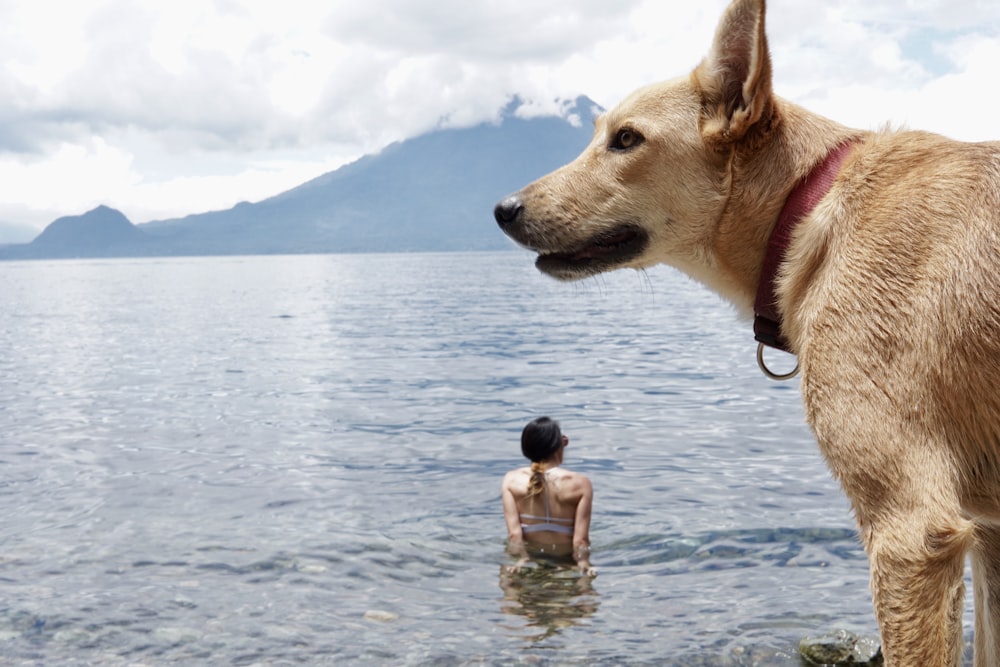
<point x="800" y="203"/>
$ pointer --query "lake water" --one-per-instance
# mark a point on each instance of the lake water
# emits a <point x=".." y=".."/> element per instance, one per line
<point x="297" y="461"/>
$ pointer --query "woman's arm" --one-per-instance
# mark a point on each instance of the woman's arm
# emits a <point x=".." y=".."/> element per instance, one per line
<point x="581" y="528"/>
<point x="511" y="516"/>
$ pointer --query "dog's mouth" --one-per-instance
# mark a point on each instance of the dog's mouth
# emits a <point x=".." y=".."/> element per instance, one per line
<point x="601" y="253"/>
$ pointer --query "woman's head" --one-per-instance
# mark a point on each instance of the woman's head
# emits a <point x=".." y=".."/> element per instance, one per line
<point x="541" y="439"/>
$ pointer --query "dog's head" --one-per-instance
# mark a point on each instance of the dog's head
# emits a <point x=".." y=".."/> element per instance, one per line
<point x="653" y="182"/>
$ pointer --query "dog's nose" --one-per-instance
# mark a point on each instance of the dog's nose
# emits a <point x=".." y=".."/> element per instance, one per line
<point x="508" y="210"/>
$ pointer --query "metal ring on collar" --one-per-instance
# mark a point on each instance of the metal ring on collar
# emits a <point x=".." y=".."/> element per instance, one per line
<point x="767" y="371"/>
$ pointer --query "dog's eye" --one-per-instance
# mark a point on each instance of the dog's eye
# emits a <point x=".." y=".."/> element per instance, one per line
<point x="625" y="139"/>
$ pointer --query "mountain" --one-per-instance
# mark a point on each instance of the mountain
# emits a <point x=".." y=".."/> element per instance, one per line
<point x="430" y="193"/>
<point x="102" y="232"/>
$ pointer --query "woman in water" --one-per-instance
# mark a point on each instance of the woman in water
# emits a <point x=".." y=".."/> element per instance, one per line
<point x="547" y="508"/>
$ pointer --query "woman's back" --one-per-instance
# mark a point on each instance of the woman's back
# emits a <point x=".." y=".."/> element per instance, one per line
<point x="549" y="516"/>
<point x="545" y="505"/>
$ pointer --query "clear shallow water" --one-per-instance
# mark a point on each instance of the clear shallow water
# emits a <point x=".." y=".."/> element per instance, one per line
<point x="297" y="460"/>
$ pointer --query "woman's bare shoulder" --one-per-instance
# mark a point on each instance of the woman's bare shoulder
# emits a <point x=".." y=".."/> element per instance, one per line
<point x="565" y="473"/>
<point x="574" y="479"/>
<point x="516" y="477"/>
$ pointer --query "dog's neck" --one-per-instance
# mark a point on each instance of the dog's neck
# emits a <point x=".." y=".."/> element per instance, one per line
<point x="801" y="201"/>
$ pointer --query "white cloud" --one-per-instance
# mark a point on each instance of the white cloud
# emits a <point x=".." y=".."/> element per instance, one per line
<point x="72" y="171"/>
<point x="168" y="108"/>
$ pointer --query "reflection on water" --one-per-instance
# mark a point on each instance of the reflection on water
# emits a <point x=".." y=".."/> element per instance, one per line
<point x="549" y="594"/>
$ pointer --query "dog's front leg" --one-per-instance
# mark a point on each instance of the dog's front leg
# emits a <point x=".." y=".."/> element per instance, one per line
<point x="916" y="578"/>
<point x="916" y="538"/>
<point x="909" y="516"/>
<point x="901" y="479"/>
<point x="986" y="593"/>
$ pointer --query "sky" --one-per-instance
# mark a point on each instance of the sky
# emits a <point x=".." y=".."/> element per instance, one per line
<point x="163" y="108"/>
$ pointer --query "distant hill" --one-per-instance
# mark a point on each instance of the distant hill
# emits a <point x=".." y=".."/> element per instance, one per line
<point x="102" y="232"/>
<point x="430" y="193"/>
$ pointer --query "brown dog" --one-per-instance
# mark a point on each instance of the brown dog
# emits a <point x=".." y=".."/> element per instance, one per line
<point x="886" y="285"/>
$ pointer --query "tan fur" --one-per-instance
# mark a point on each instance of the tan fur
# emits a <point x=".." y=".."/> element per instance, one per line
<point x="889" y="294"/>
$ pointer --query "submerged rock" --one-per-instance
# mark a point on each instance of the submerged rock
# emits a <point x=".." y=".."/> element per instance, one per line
<point x="840" y="649"/>
<point x="381" y="615"/>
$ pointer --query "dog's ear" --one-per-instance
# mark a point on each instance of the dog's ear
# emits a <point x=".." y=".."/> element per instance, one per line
<point x="735" y="77"/>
